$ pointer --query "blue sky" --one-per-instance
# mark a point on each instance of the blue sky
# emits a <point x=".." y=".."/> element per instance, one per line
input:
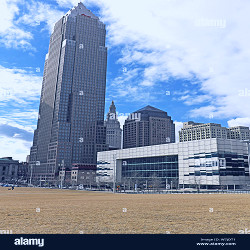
<point x="189" y="58"/>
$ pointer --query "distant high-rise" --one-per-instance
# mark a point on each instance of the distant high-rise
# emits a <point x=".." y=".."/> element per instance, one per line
<point x="192" y="131"/>
<point x="148" y="126"/>
<point x="114" y="131"/>
<point x="70" y="126"/>
<point x="239" y="133"/>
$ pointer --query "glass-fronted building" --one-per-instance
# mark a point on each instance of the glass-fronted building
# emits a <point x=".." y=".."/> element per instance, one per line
<point x="209" y="163"/>
<point x="164" y="169"/>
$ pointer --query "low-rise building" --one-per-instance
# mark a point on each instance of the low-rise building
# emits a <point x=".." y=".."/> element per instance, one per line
<point x="80" y="174"/>
<point x="8" y="170"/>
<point x="84" y="175"/>
<point x="209" y="163"/>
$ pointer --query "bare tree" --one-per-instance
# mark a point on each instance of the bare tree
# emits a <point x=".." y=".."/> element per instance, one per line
<point x="137" y="178"/>
<point x="156" y="182"/>
<point x="197" y="182"/>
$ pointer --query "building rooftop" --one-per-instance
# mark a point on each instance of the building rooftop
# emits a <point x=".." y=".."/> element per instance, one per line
<point x="80" y="9"/>
<point x="7" y="159"/>
<point x="191" y="124"/>
<point x="149" y="108"/>
<point x="243" y="127"/>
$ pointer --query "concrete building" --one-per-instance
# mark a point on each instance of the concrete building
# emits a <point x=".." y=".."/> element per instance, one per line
<point x="8" y="170"/>
<point x="209" y="163"/>
<point x="197" y="131"/>
<point x="71" y="114"/>
<point x="239" y="133"/>
<point x="148" y="126"/>
<point x="84" y="175"/>
<point x="113" y="129"/>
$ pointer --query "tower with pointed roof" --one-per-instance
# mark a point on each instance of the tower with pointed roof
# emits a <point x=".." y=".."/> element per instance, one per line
<point x="113" y="129"/>
<point x="70" y="126"/>
<point x="148" y="126"/>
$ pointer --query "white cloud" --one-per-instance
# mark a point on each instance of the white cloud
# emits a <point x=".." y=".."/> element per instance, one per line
<point x="16" y="131"/>
<point x="41" y="12"/>
<point x="239" y="122"/>
<point x="18" y="91"/>
<point x="165" y="38"/>
<point x="204" y="112"/>
<point x="8" y="9"/>
<point x="21" y="120"/>
<point x="130" y="87"/>
<point x="67" y="3"/>
<point x="11" y="36"/>
<point x="19" y="85"/>
<point x="195" y="99"/>
<point x="16" y="148"/>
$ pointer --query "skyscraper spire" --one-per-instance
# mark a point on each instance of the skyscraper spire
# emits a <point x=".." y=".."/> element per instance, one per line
<point x="114" y="132"/>
<point x="81" y="9"/>
<point x="112" y="108"/>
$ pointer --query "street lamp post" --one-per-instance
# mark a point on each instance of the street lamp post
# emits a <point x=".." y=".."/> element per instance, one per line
<point x="114" y="173"/>
<point x="63" y="170"/>
<point x="31" y="171"/>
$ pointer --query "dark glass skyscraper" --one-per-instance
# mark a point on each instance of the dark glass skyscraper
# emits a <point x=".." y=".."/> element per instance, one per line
<point x="70" y="125"/>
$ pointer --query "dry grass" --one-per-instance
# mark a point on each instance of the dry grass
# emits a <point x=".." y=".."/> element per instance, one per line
<point x="72" y="212"/>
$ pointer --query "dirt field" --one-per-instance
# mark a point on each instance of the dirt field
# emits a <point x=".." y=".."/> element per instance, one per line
<point x="74" y="212"/>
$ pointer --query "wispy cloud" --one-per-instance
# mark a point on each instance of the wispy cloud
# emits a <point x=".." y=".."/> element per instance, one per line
<point x="14" y="147"/>
<point x="18" y="85"/>
<point x="11" y="35"/>
<point x="39" y="12"/>
<point x="19" y="92"/>
<point x="164" y="37"/>
<point x="14" y="132"/>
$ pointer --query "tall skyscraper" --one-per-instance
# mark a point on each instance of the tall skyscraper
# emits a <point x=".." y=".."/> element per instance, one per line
<point x="148" y="126"/>
<point x="114" y="131"/>
<point x="70" y="126"/>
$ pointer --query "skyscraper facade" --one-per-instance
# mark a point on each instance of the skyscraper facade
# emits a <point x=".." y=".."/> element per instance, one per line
<point x="148" y="126"/>
<point x="114" y="131"/>
<point x="70" y="126"/>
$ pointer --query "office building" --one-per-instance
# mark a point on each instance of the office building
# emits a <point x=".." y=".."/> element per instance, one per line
<point x="197" y="131"/>
<point x="210" y="163"/>
<point x="148" y="126"/>
<point x="239" y="133"/>
<point x="113" y="129"/>
<point x="70" y="124"/>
